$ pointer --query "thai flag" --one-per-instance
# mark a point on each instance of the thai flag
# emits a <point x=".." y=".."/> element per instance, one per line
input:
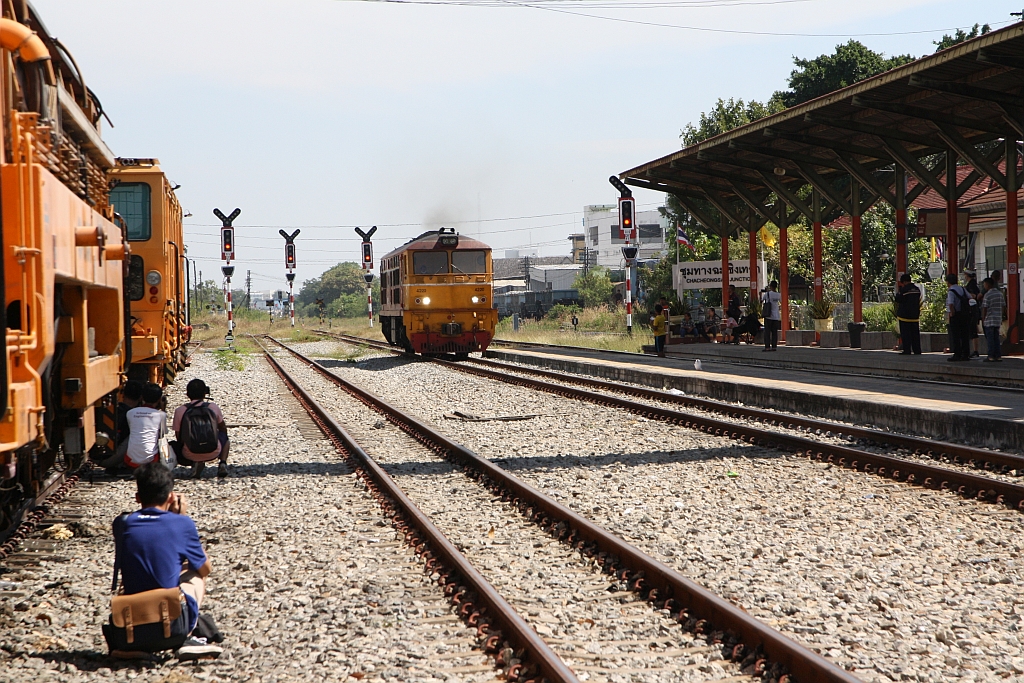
<point x="683" y="239"/>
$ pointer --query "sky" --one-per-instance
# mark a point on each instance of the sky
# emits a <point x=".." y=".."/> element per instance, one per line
<point x="501" y="121"/>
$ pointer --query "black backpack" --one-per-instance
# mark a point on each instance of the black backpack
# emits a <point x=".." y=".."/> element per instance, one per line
<point x="964" y="312"/>
<point x="199" y="428"/>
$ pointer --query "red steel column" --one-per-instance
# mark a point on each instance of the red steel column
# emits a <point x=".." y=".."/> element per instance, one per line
<point x="952" y="246"/>
<point x="752" y="246"/>
<point x="901" y="221"/>
<point x="858" y="296"/>
<point x="783" y="268"/>
<point x="725" y="262"/>
<point x="1012" y="250"/>
<point x="818" y="286"/>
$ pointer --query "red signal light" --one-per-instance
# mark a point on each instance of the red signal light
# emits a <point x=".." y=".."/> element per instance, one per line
<point x="367" y="254"/>
<point x="289" y="255"/>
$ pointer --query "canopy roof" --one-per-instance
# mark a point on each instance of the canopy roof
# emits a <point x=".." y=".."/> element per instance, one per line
<point x="918" y="118"/>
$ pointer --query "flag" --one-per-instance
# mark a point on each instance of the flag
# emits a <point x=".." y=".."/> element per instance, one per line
<point x="767" y="237"/>
<point x="683" y="239"/>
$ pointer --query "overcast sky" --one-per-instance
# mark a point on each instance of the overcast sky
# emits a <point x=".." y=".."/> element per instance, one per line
<point x="326" y="114"/>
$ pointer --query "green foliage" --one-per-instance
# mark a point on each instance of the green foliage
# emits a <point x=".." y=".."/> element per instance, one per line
<point x="563" y="312"/>
<point x="933" y="309"/>
<point x="343" y="290"/>
<point x="959" y="37"/>
<point x="881" y="318"/>
<point x="229" y="360"/>
<point x="729" y="114"/>
<point x="849" y="64"/>
<point x="821" y="309"/>
<point x="594" y="287"/>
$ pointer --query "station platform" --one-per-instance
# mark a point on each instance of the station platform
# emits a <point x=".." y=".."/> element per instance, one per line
<point x="923" y="395"/>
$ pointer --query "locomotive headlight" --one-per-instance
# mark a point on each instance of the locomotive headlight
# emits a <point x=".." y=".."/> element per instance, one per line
<point x="426" y="301"/>
<point x="153" y="278"/>
<point x="475" y="299"/>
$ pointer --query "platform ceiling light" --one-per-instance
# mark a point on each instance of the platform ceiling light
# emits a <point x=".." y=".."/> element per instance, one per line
<point x="153" y="278"/>
<point x="778" y="170"/>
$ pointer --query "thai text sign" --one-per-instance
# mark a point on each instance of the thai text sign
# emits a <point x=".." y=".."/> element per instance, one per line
<point x="708" y="275"/>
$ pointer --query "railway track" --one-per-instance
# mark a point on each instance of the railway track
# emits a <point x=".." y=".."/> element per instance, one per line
<point x="753" y="647"/>
<point x="964" y="483"/>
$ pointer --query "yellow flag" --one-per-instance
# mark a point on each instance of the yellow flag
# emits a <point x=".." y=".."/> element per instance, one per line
<point x="767" y="237"/>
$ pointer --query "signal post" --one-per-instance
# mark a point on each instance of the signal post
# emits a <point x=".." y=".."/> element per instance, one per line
<point x="627" y="231"/>
<point x="289" y="263"/>
<point x="227" y="253"/>
<point x="367" y="264"/>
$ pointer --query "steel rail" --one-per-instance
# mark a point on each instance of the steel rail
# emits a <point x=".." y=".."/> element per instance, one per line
<point x="478" y="601"/>
<point x="35" y="509"/>
<point x="956" y="452"/>
<point x="761" y="649"/>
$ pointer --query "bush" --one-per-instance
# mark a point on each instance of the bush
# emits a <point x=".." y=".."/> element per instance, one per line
<point x="563" y="312"/>
<point x="881" y="318"/>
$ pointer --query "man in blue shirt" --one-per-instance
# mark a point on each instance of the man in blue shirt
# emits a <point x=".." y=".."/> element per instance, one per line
<point x="152" y="545"/>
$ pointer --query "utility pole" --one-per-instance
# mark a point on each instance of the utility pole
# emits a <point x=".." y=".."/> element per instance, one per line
<point x="227" y="252"/>
<point x="248" y="289"/>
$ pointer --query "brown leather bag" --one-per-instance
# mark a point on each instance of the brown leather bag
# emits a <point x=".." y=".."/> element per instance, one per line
<point x="158" y="606"/>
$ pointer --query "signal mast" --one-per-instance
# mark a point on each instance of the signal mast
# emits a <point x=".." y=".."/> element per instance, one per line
<point x="367" y="263"/>
<point x="289" y="263"/>
<point x="627" y="231"/>
<point x="227" y="253"/>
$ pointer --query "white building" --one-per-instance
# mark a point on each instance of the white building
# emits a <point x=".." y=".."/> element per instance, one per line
<point x="601" y="227"/>
<point x="553" y="278"/>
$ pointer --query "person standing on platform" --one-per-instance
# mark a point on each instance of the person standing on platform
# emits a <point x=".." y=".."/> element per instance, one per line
<point x="971" y="285"/>
<point x="658" y="327"/>
<point x="733" y="313"/>
<point x="959" y="309"/>
<point x="771" y="306"/>
<point x="992" y="318"/>
<point x="908" y="312"/>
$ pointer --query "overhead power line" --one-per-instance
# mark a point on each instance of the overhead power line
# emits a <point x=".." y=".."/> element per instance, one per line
<point x="560" y="6"/>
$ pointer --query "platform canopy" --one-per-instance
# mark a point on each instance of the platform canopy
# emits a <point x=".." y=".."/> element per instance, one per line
<point x="956" y="103"/>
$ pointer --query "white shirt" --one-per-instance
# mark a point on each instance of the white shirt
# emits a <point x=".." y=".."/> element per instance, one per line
<point x="146" y="426"/>
<point x="771" y="305"/>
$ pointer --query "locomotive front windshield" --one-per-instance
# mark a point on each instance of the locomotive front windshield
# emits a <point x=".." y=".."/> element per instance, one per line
<point x="430" y="262"/>
<point x="132" y="201"/>
<point x="469" y="262"/>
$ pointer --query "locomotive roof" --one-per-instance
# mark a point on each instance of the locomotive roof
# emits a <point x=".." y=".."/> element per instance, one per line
<point x="429" y="240"/>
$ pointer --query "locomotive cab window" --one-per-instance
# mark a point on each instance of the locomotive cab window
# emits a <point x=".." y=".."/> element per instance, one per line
<point x="430" y="262"/>
<point x="132" y="201"/>
<point x="469" y="262"/>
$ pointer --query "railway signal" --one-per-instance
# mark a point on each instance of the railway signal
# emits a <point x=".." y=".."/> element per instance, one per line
<point x="227" y="253"/>
<point x="367" y="263"/>
<point x="289" y="263"/>
<point x="628" y="232"/>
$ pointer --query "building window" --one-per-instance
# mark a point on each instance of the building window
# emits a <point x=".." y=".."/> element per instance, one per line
<point x="615" y="234"/>
<point x="593" y="235"/>
<point x="995" y="258"/>
<point x="650" y="232"/>
<point x="131" y="200"/>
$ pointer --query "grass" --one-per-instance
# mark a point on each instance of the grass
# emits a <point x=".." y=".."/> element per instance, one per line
<point x="600" y="327"/>
<point x="227" y="359"/>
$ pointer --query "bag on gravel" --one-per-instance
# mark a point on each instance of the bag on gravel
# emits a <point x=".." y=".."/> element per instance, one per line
<point x="199" y="428"/>
<point x="207" y="628"/>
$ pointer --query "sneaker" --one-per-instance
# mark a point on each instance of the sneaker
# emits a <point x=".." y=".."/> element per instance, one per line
<point x="198" y="648"/>
<point x="974" y="354"/>
<point x="222" y="469"/>
<point x="197" y="470"/>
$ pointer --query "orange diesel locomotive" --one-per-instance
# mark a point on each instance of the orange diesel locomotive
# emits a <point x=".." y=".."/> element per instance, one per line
<point x="436" y="295"/>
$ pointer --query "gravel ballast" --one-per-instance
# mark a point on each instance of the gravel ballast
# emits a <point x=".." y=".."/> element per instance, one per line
<point x="888" y="580"/>
<point x="309" y="582"/>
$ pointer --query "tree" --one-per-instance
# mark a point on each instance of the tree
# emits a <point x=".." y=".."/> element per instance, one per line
<point x="594" y="286"/>
<point x="851" y="63"/>
<point x="344" y="278"/>
<point x="729" y="114"/>
<point x="959" y="37"/>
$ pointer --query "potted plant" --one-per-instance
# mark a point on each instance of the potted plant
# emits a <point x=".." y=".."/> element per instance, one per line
<point x="821" y="313"/>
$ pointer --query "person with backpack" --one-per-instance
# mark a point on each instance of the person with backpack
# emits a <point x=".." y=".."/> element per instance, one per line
<point x="200" y="431"/>
<point x="959" y="308"/>
<point x="163" y="570"/>
<point x="973" y="291"/>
